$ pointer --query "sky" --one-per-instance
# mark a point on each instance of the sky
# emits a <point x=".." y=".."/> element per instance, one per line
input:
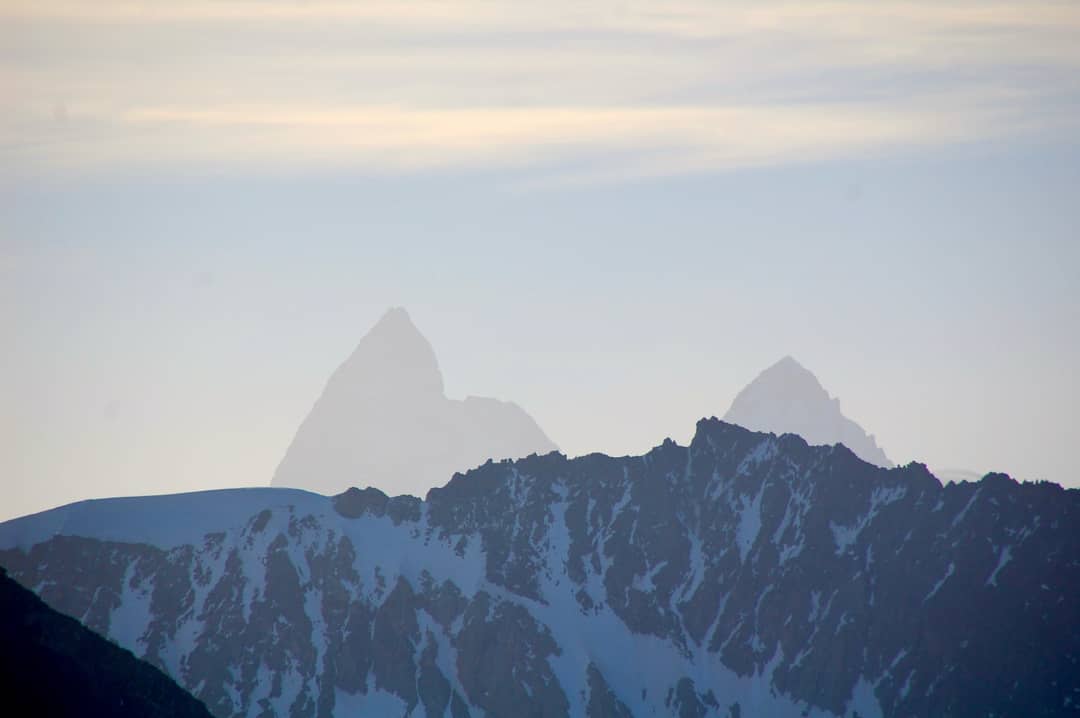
<point x="615" y="214"/>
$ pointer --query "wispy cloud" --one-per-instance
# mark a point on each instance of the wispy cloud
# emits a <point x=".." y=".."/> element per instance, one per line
<point x="683" y="17"/>
<point x="635" y="87"/>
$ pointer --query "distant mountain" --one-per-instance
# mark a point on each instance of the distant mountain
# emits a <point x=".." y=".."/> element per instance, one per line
<point x="787" y="398"/>
<point x="52" y="665"/>
<point x="957" y="475"/>
<point x="384" y="420"/>
<point x="744" y="575"/>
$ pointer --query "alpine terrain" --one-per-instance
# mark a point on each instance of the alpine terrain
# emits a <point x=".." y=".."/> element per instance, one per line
<point x="384" y="420"/>
<point x="746" y="574"/>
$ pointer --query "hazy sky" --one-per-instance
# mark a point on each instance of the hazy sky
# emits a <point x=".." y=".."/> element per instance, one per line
<point x="613" y="213"/>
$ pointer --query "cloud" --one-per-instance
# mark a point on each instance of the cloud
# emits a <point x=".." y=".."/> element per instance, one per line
<point x="404" y="139"/>
<point x="631" y="87"/>
<point x="680" y="17"/>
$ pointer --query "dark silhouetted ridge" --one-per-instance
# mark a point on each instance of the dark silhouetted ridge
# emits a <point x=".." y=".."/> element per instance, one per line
<point x="51" y="665"/>
<point x="746" y="574"/>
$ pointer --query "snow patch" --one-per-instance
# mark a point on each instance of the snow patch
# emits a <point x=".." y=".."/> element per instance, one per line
<point x="445" y="656"/>
<point x="863" y="701"/>
<point x="1004" y="558"/>
<point x="129" y="620"/>
<point x="937" y="586"/>
<point x="967" y="507"/>
<point x="696" y="573"/>
<point x="749" y="522"/>
<point x="645" y="583"/>
<point x="373" y="703"/>
<point x="846" y="536"/>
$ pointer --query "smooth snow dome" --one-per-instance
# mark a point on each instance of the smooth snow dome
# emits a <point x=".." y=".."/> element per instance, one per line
<point x="383" y="420"/>
<point x="165" y="521"/>
<point x="957" y="475"/>
<point x="787" y="398"/>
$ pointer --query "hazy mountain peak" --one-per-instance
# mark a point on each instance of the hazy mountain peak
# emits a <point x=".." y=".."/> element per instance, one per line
<point x="392" y="356"/>
<point x="383" y="420"/>
<point x="788" y="362"/>
<point x="791" y="376"/>
<point x="788" y="398"/>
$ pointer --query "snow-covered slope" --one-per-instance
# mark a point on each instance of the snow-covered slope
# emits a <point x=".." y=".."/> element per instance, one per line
<point x="787" y="399"/>
<point x="744" y="575"/>
<point x="164" y="521"/>
<point x="383" y="420"/>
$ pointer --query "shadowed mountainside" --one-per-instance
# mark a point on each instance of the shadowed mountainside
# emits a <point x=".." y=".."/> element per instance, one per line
<point x="743" y="575"/>
<point x="52" y="665"/>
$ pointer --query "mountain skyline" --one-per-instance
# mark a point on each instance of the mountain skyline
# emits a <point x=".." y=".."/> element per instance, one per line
<point x="383" y="419"/>
<point x="187" y="363"/>
<point x="363" y="428"/>
<point x="742" y="574"/>
<point x="203" y="205"/>
<point x="849" y="229"/>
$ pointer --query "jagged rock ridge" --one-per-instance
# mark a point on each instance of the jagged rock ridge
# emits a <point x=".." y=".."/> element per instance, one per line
<point x="383" y="420"/>
<point x="788" y="398"/>
<point x="744" y="575"/>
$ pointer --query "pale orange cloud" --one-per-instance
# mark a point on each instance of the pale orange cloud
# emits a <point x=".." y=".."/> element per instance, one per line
<point x="393" y="86"/>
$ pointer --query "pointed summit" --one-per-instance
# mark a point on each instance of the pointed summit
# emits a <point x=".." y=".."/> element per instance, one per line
<point x="384" y="421"/>
<point x="392" y="357"/>
<point x="791" y="374"/>
<point x="788" y="398"/>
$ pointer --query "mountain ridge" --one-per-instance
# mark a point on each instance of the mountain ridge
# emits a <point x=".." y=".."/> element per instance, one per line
<point x="744" y="573"/>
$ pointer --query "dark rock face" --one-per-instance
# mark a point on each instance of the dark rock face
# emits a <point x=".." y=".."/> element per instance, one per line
<point x="744" y="575"/>
<point x="354" y="503"/>
<point x="602" y="702"/>
<point x="497" y="672"/>
<point x="383" y="420"/>
<point x="51" y="665"/>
